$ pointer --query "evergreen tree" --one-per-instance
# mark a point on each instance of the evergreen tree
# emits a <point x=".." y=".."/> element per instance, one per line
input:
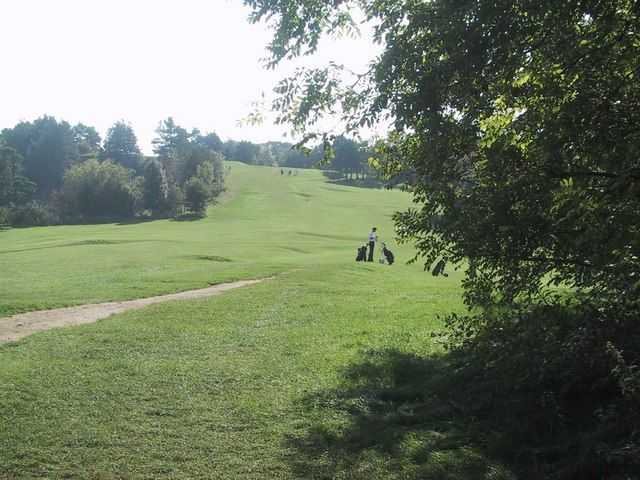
<point x="121" y="146"/>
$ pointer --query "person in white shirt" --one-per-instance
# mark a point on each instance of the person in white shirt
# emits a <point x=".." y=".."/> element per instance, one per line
<point x="373" y="238"/>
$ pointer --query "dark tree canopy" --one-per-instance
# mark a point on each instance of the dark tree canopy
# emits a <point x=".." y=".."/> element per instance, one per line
<point x="15" y="188"/>
<point x="121" y="146"/>
<point x="47" y="148"/>
<point x="88" y="141"/>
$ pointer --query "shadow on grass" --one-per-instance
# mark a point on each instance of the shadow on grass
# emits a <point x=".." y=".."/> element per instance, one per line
<point x="393" y="417"/>
<point x="337" y="178"/>
<point x="99" y="242"/>
<point x="208" y="258"/>
<point x="137" y="220"/>
<point x="188" y="217"/>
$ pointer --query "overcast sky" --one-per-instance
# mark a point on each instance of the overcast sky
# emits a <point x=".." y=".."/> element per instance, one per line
<point x="98" y="61"/>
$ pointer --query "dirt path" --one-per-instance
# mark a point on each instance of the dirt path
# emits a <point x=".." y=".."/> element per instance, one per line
<point x="19" y="326"/>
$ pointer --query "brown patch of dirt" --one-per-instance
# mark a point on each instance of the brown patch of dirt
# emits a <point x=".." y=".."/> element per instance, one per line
<point x="18" y="326"/>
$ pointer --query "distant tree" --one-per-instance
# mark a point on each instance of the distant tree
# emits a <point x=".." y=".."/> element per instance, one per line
<point x="15" y="188"/>
<point x="87" y="140"/>
<point x="210" y="141"/>
<point x="155" y="188"/>
<point x="211" y="172"/>
<point x="95" y="189"/>
<point x="229" y="149"/>
<point x="245" y="152"/>
<point x="193" y="156"/>
<point x="348" y="156"/>
<point x="121" y="146"/>
<point x="48" y="149"/>
<point x="196" y="193"/>
<point x="266" y="155"/>
<point x="170" y="146"/>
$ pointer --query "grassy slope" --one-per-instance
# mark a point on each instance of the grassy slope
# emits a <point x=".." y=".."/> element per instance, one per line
<point x="309" y="375"/>
<point x="269" y="224"/>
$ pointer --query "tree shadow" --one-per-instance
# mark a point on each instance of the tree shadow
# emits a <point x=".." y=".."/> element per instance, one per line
<point x="137" y="220"/>
<point x="337" y="178"/>
<point x="395" y="415"/>
<point x="188" y="217"/>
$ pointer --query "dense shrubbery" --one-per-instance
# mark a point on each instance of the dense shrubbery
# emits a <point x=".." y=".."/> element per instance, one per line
<point x="93" y="190"/>
<point x="32" y="214"/>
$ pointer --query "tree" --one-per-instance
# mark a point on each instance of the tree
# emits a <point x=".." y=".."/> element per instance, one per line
<point x="155" y="188"/>
<point x="95" y="189"/>
<point x="87" y="140"/>
<point x="48" y="149"/>
<point x="517" y="122"/>
<point x="170" y="146"/>
<point x="121" y="146"/>
<point x="348" y="156"/>
<point x="15" y="188"/>
<point x="211" y="141"/>
<point x="245" y="152"/>
<point x="196" y="195"/>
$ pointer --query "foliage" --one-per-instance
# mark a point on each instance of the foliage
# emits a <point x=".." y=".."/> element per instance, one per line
<point x="121" y="146"/>
<point x="48" y="149"/>
<point x="516" y="123"/>
<point x="88" y="141"/>
<point x="349" y="157"/>
<point x="156" y="188"/>
<point x="94" y="190"/>
<point x="170" y="146"/>
<point x="243" y="151"/>
<point x="196" y="195"/>
<point x="4" y="216"/>
<point x="14" y="187"/>
<point x="32" y="214"/>
<point x="211" y="141"/>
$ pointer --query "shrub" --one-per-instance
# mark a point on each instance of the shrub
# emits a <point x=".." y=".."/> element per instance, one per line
<point x="32" y="214"/>
<point x="100" y="190"/>
<point x="196" y="192"/>
<point x="4" y="216"/>
<point x="558" y="381"/>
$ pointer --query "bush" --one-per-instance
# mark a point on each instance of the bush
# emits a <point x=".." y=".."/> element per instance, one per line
<point x="196" y="192"/>
<point x="4" y="216"/>
<point x="100" y="190"/>
<point x="558" y="382"/>
<point x="31" y="215"/>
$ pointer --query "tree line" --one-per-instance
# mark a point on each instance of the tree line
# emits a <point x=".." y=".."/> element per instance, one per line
<point x="53" y="172"/>
<point x="348" y="157"/>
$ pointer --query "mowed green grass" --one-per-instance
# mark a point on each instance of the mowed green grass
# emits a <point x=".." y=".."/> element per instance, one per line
<point x="266" y="224"/>
<point x="318" y="373"/>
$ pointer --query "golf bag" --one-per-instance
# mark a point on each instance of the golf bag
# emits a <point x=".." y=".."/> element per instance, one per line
<point x="362" y="254"/>
<point x="388" y="254"/>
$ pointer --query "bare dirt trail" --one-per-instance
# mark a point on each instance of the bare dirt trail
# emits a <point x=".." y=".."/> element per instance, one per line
<point x="18" y="326"/>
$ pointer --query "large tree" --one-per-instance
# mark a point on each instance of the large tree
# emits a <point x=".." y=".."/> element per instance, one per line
<point x="48" y="149"/>
<point x="15" y="188"/>
<point x="121" y="146"/>
<point x="88" y="141"/>
<point x="518" y="123"/>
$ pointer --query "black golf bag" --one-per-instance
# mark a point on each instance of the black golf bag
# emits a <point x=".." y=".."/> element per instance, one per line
<point x="388" y="254"/>
<point x="362" y="254"/>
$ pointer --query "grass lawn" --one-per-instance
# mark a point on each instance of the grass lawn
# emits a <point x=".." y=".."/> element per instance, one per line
<point x="266" y="224"/>
<point x="321" y="373"/>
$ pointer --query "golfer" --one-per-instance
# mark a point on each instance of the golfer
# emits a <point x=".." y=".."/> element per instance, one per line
<point x="373" y="238"/>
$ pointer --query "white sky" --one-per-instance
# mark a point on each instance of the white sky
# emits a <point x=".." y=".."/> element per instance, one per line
<point x="99" y="61"/>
